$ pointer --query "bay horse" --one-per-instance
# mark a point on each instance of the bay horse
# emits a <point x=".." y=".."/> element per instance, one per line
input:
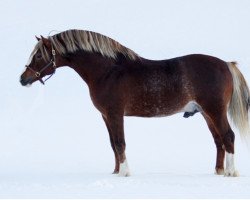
<point x="121" y="83"/>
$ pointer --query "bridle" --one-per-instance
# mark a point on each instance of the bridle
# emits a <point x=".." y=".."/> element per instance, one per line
<point x="51" y="63"/>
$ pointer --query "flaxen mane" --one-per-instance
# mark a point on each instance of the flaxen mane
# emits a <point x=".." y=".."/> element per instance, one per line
<point x="73" y="40"/>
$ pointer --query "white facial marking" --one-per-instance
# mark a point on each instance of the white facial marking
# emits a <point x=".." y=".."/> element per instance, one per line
<point x="124" y="169"/>
<point x="28" y="85"/>
<point x="230" y="169"/>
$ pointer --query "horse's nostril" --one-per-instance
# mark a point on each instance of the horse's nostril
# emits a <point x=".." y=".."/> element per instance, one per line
<point x="23" y="82"/>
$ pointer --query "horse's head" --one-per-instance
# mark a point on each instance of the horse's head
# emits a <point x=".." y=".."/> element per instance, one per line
<point x="42" y="62"/>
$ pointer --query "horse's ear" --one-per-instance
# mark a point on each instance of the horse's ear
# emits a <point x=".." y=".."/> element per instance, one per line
<point x="38" y="39"/>
<point x="46" y="42"/>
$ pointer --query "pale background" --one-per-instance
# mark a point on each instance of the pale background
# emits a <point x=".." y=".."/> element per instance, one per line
<point x="53" y="142"/>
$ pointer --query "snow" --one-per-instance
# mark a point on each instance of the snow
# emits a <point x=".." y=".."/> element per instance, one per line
<point x="53" y="142"/>
<point x="142" y="185"/>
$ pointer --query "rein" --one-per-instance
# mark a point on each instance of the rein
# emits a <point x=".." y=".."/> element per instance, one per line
<point x="52" y="62"/>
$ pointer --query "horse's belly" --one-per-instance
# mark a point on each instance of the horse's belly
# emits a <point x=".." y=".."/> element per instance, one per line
<point x="153" y="110"/>
<point x="158" y="95"/>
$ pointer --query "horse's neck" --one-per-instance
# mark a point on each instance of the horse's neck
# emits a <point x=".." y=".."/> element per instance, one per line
<point x="90" y="66"/>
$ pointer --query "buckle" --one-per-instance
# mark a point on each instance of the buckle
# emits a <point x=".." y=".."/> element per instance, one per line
<point x="54" y="64"/>
<point x="37" y="74"/>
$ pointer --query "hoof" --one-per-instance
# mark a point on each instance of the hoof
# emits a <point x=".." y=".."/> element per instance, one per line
<point x="115" y="171"/>
<point x="124" y="174"/>
<point x="219" y="171"/>
<point x="230" y="173"/>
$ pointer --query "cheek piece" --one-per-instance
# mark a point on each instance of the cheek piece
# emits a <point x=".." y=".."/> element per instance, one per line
<point x="51" y="63"/>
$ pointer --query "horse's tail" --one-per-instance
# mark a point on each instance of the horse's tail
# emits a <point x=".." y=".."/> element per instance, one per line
<point x="240" y="102"/>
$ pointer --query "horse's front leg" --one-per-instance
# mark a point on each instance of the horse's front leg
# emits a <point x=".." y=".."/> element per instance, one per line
<point x="116" y="170"/>
<point x="115" y="124"/>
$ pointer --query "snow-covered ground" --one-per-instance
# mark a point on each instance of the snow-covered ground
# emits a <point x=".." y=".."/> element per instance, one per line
<point x="53" y="142"/>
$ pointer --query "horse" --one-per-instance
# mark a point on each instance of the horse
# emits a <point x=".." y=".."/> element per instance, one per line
<point x="121" y="83"/>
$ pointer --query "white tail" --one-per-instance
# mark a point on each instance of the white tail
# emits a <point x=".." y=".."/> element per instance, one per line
<point x="240" y="102"/>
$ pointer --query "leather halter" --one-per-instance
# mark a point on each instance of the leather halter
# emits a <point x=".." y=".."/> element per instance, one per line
<point x="52" y="62"/>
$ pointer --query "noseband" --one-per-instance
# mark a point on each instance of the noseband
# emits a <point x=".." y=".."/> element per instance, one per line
<point x="51" y="63"/>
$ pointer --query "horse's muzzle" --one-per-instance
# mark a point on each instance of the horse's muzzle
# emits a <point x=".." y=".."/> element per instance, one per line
<point x="25" y="81"/>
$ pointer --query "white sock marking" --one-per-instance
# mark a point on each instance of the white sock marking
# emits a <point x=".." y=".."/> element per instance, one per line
<point x="230" y="169"/>
<point x="124" y="169"/>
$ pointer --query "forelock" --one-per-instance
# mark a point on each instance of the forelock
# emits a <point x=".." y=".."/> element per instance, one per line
<point x="43" y="50"/>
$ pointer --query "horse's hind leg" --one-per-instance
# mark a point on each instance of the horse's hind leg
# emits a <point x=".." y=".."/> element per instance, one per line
<point x="219" y="167"/>
<point x="228" y="141"/>
<point x="218" y="124"/>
